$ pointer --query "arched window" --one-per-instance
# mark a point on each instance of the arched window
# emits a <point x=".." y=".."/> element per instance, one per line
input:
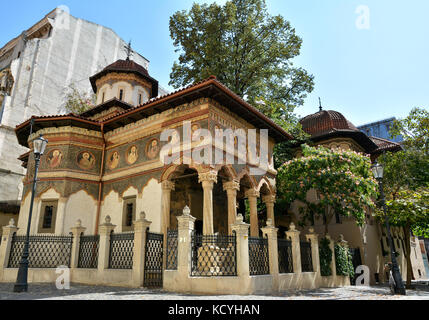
<point x="121" y="94"/>
<point x="48" y="217"/>
<point x="129" y="213"/>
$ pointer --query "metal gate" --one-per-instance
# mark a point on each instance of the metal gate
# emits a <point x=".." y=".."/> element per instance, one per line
<point x="153" y="260"/>
<point x="357" y="261"/>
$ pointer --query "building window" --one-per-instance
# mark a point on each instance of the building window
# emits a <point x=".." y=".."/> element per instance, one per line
<point x="47" y="218"/>
<point x="140" y="98"/>
<point x="121" y="94"/>
<point x="129" y="214"/>
<point x="102" y="98"/>
<point x="337" y="218"/>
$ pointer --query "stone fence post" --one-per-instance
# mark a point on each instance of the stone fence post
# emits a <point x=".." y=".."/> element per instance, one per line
<point x="77" y="230"/>
<point x="184" y="238"/>
<point x="313" y="238"/>
<point x="139" y="251"/>
<point x="241" y="230"/>
<point x="293" y="235"/>
<point x="273" y="253"/>
<point x="104" y="248"/>
<point x="332" y="247"/>
<point x="6" y="243"/>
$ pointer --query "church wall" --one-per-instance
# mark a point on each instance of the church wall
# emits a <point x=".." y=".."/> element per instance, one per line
<point x="112" y="206"/>
<point x="83" y="207"/>
<point x="151" y="204"/>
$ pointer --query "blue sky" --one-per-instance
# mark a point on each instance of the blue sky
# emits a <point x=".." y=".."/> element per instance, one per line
<point x="366" y="74"/>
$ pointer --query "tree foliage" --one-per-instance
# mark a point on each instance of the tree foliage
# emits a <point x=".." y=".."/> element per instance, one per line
<point x="325" y="255"/>
<point x="248" y="50"/>
<point x="342" y="179"/>
<point x="77" y="101"/>
<point x="414" y="129"/>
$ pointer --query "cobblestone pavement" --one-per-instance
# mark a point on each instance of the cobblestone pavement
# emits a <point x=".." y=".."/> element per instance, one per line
<point x="82" y="292"/>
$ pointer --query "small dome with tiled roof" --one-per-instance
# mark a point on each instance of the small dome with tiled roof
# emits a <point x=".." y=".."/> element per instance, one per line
<point x="128" y="67"/>
<point x="325" y="121"/>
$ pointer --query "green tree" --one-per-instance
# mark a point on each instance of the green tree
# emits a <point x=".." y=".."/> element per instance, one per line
<point x="342" y="180"/>
<point x="248" y="50"/>
<point x="77" y="101"/>
<point x="406" y="179"/>
<point x="414" y="129"/>
<point x="410" y="210"/>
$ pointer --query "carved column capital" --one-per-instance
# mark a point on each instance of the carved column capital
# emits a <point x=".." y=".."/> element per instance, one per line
<point x="231" y="185"/>
<point x="167" y="185"/>
<point x="270" y="198"/>
<point x="209" y="176"/>
<point x="252" y="193"/>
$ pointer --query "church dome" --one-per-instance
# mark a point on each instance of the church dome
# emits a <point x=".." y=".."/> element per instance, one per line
<point x="326" y="121"/>
<point x="129" y="67"/>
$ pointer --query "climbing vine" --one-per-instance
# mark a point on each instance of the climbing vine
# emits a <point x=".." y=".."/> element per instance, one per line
<point x="325" y="254"/>
<point x="343" y="261"/>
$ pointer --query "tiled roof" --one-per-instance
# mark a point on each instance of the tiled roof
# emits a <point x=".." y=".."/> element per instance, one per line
<point x="325" y="121"/>
<point x="126" y="66"/>
<point x="385" y="145"/>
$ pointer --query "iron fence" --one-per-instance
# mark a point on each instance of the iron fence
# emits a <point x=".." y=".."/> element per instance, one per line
<point x="88" y="251"/>
<point x="121" y="250"/>
<point x="285" y="256"/>
<point x="213" y="255"/>
<point x="153" y="260"/>
<point x="306" y="259"/>
<point x="171" y="250"/>
<point x="258" y="256"/>
<point x="45" y="251"/>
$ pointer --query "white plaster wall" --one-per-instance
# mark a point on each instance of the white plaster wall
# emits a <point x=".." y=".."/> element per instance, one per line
<point x="114" y="91"/>
<point x="151" y="204"/>
<point x="112" y="206"/>
<point x="45" y="68"/>
<point x="80" y="206"/>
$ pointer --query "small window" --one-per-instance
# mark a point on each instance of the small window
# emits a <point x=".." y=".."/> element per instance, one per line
<point x="121" y="94"/>
<point x="337" y="218"/>
<point x="129" y="214"/>
<point x="48" y="217"/>
<point x="102" y="98"/>
<point x="140" y="98"/>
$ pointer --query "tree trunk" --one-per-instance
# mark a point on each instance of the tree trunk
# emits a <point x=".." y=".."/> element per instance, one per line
<point x="408" y="256"/>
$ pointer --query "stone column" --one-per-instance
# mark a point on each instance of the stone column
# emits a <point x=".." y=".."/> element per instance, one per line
<point x="104" y="230"/>
<point x="253" y="196"/>
<point x="293" y="235"/>
<point x="6" y="243"/>
<point x="77" y="230"/>
<point x="241" y="230"/>
<point x="208" y="179"/>
<point x="139" y="251"/>
<point x="313" y="238"/>
<point x="271" y="232"/>
<point x="167" y="187"/>
<point x="269" y="201"/>
<point x="231" y="188"/>
<point x="185" y="228"/>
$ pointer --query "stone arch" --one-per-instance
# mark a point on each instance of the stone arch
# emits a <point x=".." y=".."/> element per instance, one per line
<point x="265" y="187"/>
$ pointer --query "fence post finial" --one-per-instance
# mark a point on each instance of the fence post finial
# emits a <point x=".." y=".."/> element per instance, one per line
<point x="107" y="219"/>
<point x="186" y="211"/>
<point x="292" y="226"/>
<point x="79" y="223"/>
<point x="12" y="222"/>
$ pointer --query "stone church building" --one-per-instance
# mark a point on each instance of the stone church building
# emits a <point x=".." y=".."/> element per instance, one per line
<point x="106" y="161"/>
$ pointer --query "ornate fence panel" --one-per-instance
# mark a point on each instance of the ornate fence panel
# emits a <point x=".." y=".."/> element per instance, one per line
<point x="213" y="255"/>
<point x="88" y="252"/>
<point x="121" y="250"/>
<point x="285" y="256"/>
<point x="171" y="250"/>
<point x="258" y="256"/>
<point x="45" y="251"/>
<point x="153" y="260"/>
<point x="306" y="259"/>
